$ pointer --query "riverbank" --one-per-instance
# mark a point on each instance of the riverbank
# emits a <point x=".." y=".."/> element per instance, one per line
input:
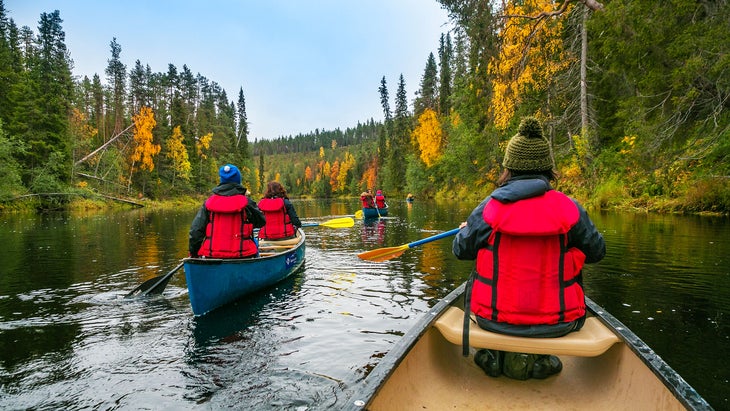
<point x="601" y="199"/>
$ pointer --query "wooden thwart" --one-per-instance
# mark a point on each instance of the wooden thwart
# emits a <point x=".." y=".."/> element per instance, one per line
<point x="590" y="341"/>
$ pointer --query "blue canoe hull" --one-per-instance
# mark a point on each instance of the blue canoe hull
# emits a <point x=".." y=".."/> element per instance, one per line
<point x="374" y="212"/>
<point x="214" y="282"/>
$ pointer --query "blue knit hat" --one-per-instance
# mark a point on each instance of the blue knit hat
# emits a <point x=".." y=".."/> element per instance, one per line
<point x="230" y="174"/>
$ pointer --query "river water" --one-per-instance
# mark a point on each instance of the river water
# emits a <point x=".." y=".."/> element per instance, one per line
<point x="70" y="340"/>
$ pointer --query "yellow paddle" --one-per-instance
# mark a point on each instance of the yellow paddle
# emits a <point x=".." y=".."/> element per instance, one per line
<point x="359" y="214"/>
<point x="344" y="222"/>
<point x="387" y="253"/>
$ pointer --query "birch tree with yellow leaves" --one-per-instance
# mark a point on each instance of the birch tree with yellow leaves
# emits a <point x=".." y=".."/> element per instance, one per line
<point x="145" y="149"/>
<point x="428" y="137"/>
<point x="178" y="155"/>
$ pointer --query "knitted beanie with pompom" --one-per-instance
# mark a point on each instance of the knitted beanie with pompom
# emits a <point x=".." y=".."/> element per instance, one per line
<point x="528" y="150"/>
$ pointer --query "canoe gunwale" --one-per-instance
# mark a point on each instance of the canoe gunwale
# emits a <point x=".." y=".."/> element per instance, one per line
<point x="372" y="212"/>
<point x="681" y="389"/>
<point x="361" y="394"/>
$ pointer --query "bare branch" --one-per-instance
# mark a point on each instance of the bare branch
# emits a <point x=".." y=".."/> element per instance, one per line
<point x="103" y="146"/>
<point x="591" y="4"/>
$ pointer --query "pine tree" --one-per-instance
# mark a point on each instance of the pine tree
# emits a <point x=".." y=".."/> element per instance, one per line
<point x="396" y="176"/>
<point x="50" y="89"/>
<point x="7" y="72"/>
<point x="242" y="127"/>
<point x="138" y="88"/>
<point x="427" y="95"/>
<point x="445" y="77"/>
<point x="116" y="73"/>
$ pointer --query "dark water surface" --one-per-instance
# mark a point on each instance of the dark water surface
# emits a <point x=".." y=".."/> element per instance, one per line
<point x="69" y="340"/>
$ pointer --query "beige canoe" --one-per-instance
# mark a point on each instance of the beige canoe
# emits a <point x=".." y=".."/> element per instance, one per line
<point x="605" y="367"/>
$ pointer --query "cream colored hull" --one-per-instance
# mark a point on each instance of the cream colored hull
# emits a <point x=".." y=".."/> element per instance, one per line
<point x="430" y="373"/>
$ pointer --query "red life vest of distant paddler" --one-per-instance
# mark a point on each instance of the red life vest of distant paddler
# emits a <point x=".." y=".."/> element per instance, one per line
<point x="526" y="274"/>
<point x="380" y="200"/>
<point x="278" y="224"/>
<point x="228" y="233"/>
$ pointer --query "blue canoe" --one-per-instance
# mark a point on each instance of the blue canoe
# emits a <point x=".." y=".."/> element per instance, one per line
<point x="214" y="282"/>
<point x="375" y="212"/>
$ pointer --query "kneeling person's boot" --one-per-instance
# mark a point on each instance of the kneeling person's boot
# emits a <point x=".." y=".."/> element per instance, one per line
<point x="518" y="365"/>
<point x="545" y="366"/>
<point x="490" y="361"/>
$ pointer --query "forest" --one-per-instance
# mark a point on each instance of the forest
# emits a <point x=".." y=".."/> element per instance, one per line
<point x="633" y="97"/>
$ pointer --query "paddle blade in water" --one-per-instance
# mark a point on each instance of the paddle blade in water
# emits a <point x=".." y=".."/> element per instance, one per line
<point x="154" y="285"/>
<point x="383" y="254"/>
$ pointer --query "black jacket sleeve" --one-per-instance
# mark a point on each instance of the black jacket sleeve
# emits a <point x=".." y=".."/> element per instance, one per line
<point x="255" y="215"/>
<point x="585" y="237"/>
<point x="474" y="236"/>
<point x="292" y="213"/>
<point x="197" y="231"/>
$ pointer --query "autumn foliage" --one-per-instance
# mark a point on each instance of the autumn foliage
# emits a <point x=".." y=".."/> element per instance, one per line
<point x="530" y="56"/>
<point x="428" y="137"/>
<point x="144" y="150"/>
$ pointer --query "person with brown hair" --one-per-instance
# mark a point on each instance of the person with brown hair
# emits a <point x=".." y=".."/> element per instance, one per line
<point x="282" y="221"/>
<point x="530" y="242"/>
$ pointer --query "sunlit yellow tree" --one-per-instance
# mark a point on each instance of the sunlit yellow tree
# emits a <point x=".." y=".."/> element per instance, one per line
<point x="334" y="173"/>
<point x="530" y="56"/>
<point x="178" y="155"/>
<point x="202" y="149"/>
<point x="347" y="164"/>
<point x="144" y="149"/>
<point x="369" y="176"/>
<point x="428" y="137"/>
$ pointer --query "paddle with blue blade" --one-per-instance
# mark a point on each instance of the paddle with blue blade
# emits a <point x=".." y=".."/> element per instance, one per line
<point x="387" y="253"/>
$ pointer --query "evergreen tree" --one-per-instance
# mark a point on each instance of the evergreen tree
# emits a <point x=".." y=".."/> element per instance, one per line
<point x="138" y="88"/>
<point x="97" y="117"/>
<point x="188" y="100"/>
<point x="7" y="72"/>
<point x="427" y="97"/>
<point x="384" y="100"/>
<point x="383" y="136"/>
<point x="242" y="127"/>
<point x="399" y="142"/>
<point x="445" y="77"/>
<point x="51" y="91"/>
<point x="116" y="73"/>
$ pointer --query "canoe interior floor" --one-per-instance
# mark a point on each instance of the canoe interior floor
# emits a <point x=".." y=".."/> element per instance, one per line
<point x="435" y="376"/>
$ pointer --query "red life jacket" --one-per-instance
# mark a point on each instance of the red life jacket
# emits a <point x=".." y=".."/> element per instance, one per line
<point x="380" y="201"/>
<point x="367" y="201"/>
<point x="228" y="233"/>
<point x="527" y="275"/>
<point x="278" y="224"/>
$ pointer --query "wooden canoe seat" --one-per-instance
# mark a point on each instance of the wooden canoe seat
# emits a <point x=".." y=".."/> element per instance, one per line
<point x="590" y="341"/>
<point x="279" y="244"/>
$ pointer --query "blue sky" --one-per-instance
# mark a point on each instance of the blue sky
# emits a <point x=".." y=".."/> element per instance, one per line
<point x="302" y="64"/>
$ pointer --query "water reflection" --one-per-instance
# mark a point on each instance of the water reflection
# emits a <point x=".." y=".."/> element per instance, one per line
<point x="373" y="232"/>
<point x="67" y="333"/>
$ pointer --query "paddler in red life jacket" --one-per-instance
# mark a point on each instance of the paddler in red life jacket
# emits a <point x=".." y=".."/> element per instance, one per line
<point x="367" y="199"/>
<point x="281" y="218"/>
<point x="380" y="199"/>
<point x="223" y="228"/>
<point x="530" y="243"/>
